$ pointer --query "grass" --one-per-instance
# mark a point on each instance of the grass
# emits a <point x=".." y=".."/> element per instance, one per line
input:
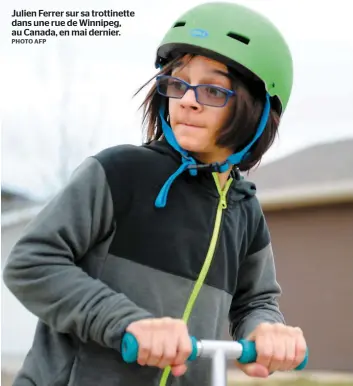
<point x="296" y="382"/>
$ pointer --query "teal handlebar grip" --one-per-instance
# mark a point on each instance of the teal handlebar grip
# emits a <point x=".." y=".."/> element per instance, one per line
<point x="129" y="348"/>
<point x="249" y="354"/>
<point x="129" y="351"/>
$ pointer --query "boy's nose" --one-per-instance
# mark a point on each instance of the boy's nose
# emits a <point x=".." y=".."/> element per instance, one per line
<point x="189" y="100"/>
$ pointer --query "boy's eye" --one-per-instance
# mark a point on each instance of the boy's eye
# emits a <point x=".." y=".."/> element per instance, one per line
<point x="177" y="85"/>
<point x="214" y="92"/>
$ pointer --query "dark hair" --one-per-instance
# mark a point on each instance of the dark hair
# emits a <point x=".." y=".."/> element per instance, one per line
<point x="241" y="126"/>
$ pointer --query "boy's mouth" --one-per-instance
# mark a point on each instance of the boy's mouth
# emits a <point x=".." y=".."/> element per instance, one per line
<point x="190" y="125"/>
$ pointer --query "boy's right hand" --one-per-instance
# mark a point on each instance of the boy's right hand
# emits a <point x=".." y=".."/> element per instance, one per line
<point x="162" y="342"/>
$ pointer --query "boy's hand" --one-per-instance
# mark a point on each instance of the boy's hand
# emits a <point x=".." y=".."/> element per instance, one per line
<point x="279" y="348"/>
<point x="162" y="342"/>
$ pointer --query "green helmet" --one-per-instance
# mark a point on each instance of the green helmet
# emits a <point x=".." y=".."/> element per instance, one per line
<point x="238" y="37"/>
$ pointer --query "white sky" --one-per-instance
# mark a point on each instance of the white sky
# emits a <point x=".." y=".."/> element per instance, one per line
<point x="106" y="71"/>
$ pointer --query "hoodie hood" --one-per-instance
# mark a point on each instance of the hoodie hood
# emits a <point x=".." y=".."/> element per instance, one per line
<point x="242" y="189"/>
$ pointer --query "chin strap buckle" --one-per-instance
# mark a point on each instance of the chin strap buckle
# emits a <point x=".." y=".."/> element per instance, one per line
<point x="212" y="167"/>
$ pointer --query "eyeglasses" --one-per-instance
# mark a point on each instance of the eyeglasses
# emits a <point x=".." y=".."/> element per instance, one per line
<point x="205" y="94"/>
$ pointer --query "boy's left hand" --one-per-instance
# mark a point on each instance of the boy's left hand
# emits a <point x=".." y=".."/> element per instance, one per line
<point x="279" y="348"/>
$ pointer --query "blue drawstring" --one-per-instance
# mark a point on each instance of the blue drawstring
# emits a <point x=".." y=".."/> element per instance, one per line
<point x="161" y="199"/>
<point x="188" y="161"/>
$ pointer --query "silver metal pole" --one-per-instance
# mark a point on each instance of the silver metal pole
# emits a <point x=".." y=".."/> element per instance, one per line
<point x="219" y="368"/>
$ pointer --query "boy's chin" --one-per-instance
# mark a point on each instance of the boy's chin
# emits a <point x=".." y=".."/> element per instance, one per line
<point x="192" y="146"/>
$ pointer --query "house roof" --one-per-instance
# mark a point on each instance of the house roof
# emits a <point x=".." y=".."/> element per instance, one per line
<point x="13" y="200"/>
<point x="16" y="207"/>
<point x="317" y="175"/>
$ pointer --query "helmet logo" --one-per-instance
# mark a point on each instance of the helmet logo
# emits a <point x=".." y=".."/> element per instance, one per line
<point x="199" y="33"/>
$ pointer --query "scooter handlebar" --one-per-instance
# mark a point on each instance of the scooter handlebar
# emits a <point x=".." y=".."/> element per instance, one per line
<point x="129" y="350"/>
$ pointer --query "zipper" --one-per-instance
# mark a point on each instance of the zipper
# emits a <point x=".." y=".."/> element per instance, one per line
<point x="222" y="204"/>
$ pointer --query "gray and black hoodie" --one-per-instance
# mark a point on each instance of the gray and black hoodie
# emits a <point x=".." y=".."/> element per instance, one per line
<point x="100" y="255"/>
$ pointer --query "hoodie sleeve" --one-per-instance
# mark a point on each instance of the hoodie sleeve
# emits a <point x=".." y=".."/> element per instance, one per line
<point x="42" y="270"/>
<point x="256" y="298"/>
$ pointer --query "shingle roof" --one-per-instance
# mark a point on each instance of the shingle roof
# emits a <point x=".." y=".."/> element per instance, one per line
<point x="14" y="200"/>
<point x="323" y="164"/>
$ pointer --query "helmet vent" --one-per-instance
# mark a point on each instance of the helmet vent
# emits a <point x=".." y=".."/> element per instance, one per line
<point x="179" y="24"/>
<point x="240" y="38"/>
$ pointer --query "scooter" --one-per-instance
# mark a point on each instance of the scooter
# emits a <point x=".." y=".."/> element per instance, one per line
<point x="219" y="351"/>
